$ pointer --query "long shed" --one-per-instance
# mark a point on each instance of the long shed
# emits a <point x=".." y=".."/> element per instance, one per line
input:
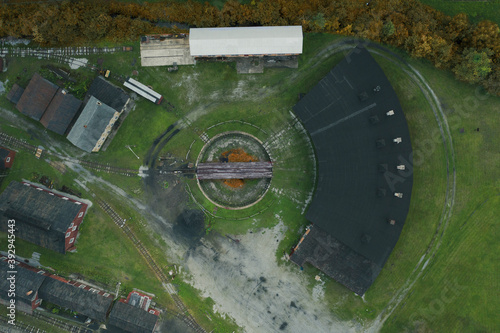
<point x="85" y="302"/>
<point x="245" y="41"/>
<point x="42" y="217"/>
<point x="132" y="319"/>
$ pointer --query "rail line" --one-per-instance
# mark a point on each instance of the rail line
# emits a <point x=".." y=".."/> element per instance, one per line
<point x="15" y="143"/>
<point x="109" y="168"/>
<point x="20" y="326"/>
<point x="183" y="313"/>
<point x="61" y="324"/>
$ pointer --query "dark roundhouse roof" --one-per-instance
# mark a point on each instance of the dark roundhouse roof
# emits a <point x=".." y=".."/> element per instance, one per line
<point x="345" y="115"/>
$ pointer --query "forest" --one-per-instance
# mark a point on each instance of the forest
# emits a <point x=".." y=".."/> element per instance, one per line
<point x="470" y="50"/>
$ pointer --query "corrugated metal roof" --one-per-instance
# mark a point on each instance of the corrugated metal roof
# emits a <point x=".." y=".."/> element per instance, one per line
<point x="92" y="122"/>
<point x="245" y="41"/>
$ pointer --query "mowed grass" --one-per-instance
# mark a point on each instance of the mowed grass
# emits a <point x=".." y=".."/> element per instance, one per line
<point x="459" y="291"/>
<point x="476" y="10"/>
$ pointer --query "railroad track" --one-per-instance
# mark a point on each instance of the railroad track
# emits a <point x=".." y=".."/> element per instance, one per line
<point x="183" y="312"/>
<point x="14" y="143"/>
<point x="5" y="327"/>
<point x="62" y="51"/>
<point x="109" y="168"/>
<point x="61" y="324"/>
<point x="67" y="59"/>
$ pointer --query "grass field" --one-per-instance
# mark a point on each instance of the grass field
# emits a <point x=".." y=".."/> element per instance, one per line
<point x="211" y="93"/>
<point x="458" y="292"/>
<point x="476" y="10"/>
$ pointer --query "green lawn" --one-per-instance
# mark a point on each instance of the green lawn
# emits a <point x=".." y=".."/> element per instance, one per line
<point x="476" y="10"/>
<point x="458" y="292"/>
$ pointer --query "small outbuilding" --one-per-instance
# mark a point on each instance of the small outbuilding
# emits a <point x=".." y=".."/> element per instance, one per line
<point x="15" y="93"/>
<point x="6" y="158"/>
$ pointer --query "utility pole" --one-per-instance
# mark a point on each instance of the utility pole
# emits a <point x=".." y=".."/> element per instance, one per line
<point x="129" y="147"/>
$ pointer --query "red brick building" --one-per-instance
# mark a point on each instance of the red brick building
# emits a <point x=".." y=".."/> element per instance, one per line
<point x="43" y="217"/>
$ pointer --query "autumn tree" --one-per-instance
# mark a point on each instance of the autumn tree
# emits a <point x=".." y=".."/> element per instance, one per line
<point x="474" y="66"/>
<point x="388" y="29"/>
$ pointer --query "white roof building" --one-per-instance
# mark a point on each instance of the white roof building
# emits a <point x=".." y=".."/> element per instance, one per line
<point x="241" y="41"/>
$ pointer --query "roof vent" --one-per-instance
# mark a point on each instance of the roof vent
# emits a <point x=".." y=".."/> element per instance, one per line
<point x="366" y="238"/>
<point x="380" y="143"/>
<point x="382" y="168"/>
<point x="374" y="119"/>
<point x="99" y="103"/>
<point x="363" y="96"/>
<point x="381" y="192"/>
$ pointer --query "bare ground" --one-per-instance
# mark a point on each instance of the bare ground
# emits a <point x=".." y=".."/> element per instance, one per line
<point x="246" y="283"/>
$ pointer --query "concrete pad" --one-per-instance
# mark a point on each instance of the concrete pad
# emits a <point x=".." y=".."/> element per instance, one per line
<point x="163" y="51"/>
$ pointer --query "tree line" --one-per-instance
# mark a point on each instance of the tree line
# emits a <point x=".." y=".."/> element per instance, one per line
<point x="471" y="51"/>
